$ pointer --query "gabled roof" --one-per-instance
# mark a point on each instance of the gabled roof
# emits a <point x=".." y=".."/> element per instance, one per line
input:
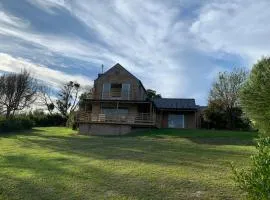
<point x="172" y="103"/>
<point x="120" y="67"/>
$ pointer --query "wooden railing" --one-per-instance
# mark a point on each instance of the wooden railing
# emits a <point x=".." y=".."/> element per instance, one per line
<point x="115" y="95"/>
<point x="139" y="119"/>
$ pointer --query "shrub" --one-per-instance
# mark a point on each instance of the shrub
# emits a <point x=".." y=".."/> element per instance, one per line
<point x="15" y="124"/>
<point x="214" y="116"/>
<point x="43" y="119"/>
<point x="71" y="122"/>
<point x="256" y="181"/>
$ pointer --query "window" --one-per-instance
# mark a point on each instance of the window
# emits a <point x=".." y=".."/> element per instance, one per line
<point x="116" y="90"/>
<point x="125" y="91"/>
<point x="114" y="111"/>
<point x="106" y="90"/>
<point x="176" y="121"/>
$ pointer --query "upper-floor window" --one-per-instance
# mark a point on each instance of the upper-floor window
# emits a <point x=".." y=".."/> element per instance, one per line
<point x="116" y="90"/>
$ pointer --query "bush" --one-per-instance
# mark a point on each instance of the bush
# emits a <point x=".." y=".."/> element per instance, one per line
<point x="256" y="181"/>
<point x="43" y="119"/>
<point x="71" y="122"/>
<point x="215" y="116"/>
<point x="15" y="124"/>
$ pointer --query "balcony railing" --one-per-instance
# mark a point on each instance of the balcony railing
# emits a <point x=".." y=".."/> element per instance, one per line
<point x="116" y="95"/>
<point x="133" y="119"/>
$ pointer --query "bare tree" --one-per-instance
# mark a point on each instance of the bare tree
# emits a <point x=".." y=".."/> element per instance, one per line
<point x="45" y="97"/>
<point x="17" y="92"/>
<point x="68" y="97"/>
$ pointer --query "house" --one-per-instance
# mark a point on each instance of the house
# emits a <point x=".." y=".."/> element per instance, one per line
<point x="119" y="105"/>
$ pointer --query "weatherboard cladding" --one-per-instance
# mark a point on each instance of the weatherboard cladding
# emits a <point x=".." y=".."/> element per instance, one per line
<point x="171" y="103"/>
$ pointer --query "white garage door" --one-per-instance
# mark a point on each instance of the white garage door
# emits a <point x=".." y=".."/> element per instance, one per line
<point x="176" y="121"/>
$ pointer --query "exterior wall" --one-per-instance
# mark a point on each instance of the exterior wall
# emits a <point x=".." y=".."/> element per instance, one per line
<point x="104" y="129"/>
<point x="165" y="120"/>
<point x="119" y="75"/>
<point x="190" y="118"/>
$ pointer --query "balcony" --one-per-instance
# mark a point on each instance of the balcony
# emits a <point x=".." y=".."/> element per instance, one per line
<point x="116" y="95"/>
<point x="132" y="119"/>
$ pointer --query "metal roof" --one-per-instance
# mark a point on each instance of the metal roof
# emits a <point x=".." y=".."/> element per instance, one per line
<point x="172" y="103"/>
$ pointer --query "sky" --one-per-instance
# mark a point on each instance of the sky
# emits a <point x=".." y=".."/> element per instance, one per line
<point x="175" y="47"/>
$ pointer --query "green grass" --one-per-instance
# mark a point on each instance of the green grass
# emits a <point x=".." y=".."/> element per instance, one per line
<point x="56" y="163"/>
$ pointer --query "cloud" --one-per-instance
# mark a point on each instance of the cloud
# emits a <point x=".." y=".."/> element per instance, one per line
<point x="236" y="27"/>
<point x="48" y="5"/>
<point x="53" y="77"/>
<point x="141" y="53"/>
<point x="175" y="47"/>
<point x="7" y="19"/>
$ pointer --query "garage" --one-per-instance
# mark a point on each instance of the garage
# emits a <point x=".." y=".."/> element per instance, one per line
<point x="176" y="113"/>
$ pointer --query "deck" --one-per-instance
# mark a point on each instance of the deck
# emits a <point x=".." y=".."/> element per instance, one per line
<point x="131" y="119"/>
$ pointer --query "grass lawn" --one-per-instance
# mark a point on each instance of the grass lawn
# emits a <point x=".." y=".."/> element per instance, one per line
<point x="56" y="163"/>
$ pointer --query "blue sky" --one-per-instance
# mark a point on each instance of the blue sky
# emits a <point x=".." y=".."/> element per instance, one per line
<point x="176" y="47"/>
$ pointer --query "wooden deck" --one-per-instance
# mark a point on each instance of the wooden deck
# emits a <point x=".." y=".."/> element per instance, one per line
<point x="138" y="119"/>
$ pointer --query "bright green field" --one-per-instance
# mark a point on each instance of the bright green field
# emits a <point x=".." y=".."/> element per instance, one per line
<point x="56" y="163"/>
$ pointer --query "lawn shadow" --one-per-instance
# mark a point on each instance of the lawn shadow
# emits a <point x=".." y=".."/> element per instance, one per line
<point x="29" y="132"/>
<point x="139" y="149"/>
<point x="200" y="136"/>
<point x="70" y="174"/>
<point x="50" y="180"/>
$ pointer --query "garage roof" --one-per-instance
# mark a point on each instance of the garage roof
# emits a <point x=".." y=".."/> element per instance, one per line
<point x="172" y="103"/>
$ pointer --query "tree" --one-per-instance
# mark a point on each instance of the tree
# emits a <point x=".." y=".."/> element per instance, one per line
<point x="17" y="92"/>
<point x="45" y="95"/>
<point x="67" y="98"/>
<point x="225" y="91"/>
<point x="152" y="94"/>
<point x="255" y="96"/>
<point x="255" y="100"/>
<point x="214" y="115"/>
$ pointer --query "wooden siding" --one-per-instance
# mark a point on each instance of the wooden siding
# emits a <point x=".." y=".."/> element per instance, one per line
<point x="118" y="75"/>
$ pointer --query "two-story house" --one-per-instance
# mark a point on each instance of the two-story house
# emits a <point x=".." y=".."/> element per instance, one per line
<point x="119" y="105"/>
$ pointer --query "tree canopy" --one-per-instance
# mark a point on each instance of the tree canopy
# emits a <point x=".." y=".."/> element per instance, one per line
<point x="67" y="98"/>
<point x="255" y="95"/>
<point x="223" y="104"/>
<point x="152" y="94"/>
<point x="17" y="91"/>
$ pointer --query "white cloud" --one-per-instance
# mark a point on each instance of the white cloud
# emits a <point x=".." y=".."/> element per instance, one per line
<point x="7" y="19"/>
<point x="146" y="50"/>
<point x="172" y="48"/>
<point x="53" y="77"/>
<point x="237" y="27"/>
<point x="48" y="5"/>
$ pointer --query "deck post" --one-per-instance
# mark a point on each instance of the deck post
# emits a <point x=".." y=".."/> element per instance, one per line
<point x="117" y="113"/>
<point x="196" y="123"/>
<point x="151" y="109"/>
